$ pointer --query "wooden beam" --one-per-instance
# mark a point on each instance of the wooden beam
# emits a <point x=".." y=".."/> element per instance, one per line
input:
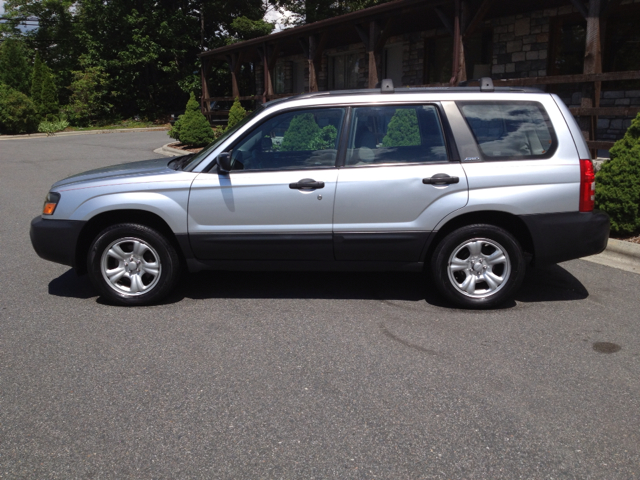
<point x="578" y="78"/>
<point x="599" y="145"/>
<point x="386" y="32"/>
<point x="444" y="19"/>
<point x="605" y="111"/>
<point x="478" y="17"/>
<point x="581" y="7"/>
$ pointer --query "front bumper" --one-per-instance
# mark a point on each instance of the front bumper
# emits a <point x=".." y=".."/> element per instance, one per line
<point x="559" y="237"/>
<point x="56" y="240"/>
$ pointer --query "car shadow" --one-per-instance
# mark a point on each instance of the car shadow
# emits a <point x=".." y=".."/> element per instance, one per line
<point x="541" y="284"/>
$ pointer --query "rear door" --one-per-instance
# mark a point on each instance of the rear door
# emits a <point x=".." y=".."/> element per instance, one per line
<point x="398" y="181"/>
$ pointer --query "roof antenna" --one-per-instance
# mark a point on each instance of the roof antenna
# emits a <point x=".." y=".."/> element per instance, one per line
<point x="387" y="86"/>
<point x="486" y="84"/>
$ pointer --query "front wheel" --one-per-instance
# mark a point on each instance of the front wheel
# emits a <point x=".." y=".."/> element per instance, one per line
<point x="478" y="266"/>
<point x="132" y="264"/>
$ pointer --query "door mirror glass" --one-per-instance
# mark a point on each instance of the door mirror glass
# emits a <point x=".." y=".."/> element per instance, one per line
<point x="224" y="161"/>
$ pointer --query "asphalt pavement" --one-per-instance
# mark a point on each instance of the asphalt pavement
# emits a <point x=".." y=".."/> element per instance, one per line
<point x="303" y="375"/>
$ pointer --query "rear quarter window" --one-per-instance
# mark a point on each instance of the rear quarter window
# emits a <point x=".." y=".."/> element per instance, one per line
<point x="510" y="130"/>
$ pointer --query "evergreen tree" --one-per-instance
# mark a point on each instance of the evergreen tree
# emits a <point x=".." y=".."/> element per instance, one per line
<point x="194" y="126"/>
<point x="36" y="82"/>
<point x="302" y="130"/>
<point x="403" y="129"/>
<point x="49" y="107"/>
<point x="14" y="68"/>
<point x="618" y="183"/>
<point x="236" y="114"/>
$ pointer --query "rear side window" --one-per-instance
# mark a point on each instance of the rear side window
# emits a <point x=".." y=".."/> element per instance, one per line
<point x="395" y="134"/>
<point x="510" y="130"/>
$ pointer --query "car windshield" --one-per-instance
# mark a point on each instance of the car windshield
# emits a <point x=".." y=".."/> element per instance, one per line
<point x="197" y="158"/>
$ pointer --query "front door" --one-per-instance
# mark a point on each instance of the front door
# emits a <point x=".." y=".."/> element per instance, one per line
<point x="277" y="202"/>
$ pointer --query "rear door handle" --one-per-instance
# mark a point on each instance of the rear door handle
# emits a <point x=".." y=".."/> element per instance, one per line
<point x="440" y="179"/>
<point x="306" y="184"/>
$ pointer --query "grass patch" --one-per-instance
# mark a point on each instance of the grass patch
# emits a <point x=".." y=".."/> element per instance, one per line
<point x="117" y="126"/>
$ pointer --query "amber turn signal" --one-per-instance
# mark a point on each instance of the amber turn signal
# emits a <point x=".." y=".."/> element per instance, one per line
<point x="50" y="203"/>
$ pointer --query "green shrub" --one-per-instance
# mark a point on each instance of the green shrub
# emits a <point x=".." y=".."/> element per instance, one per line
<point x="236" y="114"/>
<point x="305" y="134"/>
<point x="50" y="128"/>
<point x="174" y="132"/>
<point x="193" y="127"/>
<point x="403" y="129"/>
<point x="618" y="183"/>
<point x="18" y="114"/>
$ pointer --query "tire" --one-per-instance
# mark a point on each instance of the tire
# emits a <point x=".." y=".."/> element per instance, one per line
<point x="131" y="264"/>
<point x="478" y="266"/>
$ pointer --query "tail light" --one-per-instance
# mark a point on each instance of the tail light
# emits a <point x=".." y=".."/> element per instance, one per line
<point x="587" y="186"/>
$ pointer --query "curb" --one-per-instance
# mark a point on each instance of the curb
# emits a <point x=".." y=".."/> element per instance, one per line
<point x="87" y="132"/>
<point x="168" y="151"/>
<point x="619" y="254"/>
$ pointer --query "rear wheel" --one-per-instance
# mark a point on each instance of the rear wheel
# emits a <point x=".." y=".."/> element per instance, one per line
<point x="132" y="264"/>
<point x="478" y="266"/>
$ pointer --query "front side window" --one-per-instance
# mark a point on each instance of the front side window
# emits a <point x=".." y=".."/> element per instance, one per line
<point x="395" y="134"/>
<point x="510" y="130"/>
<point x="293" y="140"/>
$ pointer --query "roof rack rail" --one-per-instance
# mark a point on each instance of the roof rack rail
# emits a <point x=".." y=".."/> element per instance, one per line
<point x="486" y="84"/>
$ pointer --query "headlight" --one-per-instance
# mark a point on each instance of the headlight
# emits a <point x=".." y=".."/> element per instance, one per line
<point x="50" y="203"/>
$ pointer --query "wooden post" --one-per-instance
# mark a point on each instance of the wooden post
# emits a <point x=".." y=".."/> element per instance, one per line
<point x="234" y="60"/>
<point x="268" y="86"/>
<point x="313" y="74"/>
<point x="204" y="104"/>
<point x="592" y="64"/>
<point x="458" y="68"/>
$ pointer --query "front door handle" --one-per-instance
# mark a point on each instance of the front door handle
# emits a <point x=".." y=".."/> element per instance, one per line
<point x="306" y="184"/>
<point x="440" y="179"/>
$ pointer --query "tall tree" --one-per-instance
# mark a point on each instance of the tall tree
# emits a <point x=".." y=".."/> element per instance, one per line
<point x="15" y="70"/>
<point x="36" y="81"/>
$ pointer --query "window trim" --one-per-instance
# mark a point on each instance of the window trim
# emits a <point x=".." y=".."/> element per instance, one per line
<point x="487" y="158"/>
<point x="449" y="144"/>
<point x="289" y="110"/>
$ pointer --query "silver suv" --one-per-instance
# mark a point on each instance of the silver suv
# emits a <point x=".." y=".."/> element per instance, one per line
<point x="469" y="183"/>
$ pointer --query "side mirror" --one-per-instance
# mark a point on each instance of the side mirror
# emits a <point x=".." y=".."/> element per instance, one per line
<point x="224" y="161"/>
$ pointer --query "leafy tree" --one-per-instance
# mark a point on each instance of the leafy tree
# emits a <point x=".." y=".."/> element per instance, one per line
<point x="403" y="129"/>
<point x="236" y="114"/>
<point x="194" y="128"/>
<point x="15" y="71"/>
<point x="618" y="182"/>
<point x="309" y="11"/>
<point x="89" y="97"/>
<point x="245" y="29"/>
<point x="18" y="114"/>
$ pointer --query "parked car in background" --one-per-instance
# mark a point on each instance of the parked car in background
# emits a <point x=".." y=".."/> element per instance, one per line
<point x="470" y="184"/>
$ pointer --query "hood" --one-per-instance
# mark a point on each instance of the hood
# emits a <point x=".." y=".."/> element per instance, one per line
<point x="121" y="171"/>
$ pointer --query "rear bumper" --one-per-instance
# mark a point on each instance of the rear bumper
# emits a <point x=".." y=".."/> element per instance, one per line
<point x="559" y="237"/>
<point x="56" y="240"/>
